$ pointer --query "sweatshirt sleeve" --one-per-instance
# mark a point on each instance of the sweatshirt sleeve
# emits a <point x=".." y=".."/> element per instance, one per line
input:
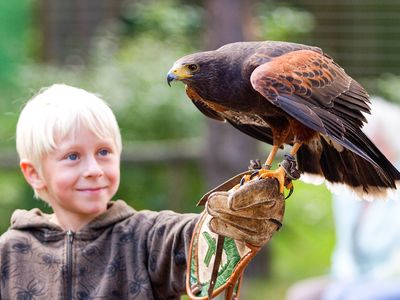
<point x="168" y="244"/>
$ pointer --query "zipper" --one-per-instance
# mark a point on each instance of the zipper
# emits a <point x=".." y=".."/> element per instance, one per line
<point x="70" y="240"/>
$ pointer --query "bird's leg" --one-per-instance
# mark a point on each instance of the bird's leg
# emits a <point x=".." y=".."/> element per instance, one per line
<point x="295" y="148"/>
<point x="287" y="170"/>
<point x="279" y="137"/>
<point x="271" y="156"/>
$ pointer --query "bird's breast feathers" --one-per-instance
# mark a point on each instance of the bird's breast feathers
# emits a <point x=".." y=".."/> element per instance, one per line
<point x="242" y="118"/>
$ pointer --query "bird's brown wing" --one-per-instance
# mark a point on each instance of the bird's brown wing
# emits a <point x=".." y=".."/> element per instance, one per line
<point x="311" y="79"/>
<point x="314" y="90"/>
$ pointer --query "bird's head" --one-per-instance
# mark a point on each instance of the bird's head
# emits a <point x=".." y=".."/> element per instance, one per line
<point x="191" y="67"/>
<point x="182" y="71"/>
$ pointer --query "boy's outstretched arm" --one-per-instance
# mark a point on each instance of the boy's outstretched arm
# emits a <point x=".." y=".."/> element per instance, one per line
<point x="168" y="243"/>
<point x="249" y="214"/>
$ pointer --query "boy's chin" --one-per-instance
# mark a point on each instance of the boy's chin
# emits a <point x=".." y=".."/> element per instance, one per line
<point x="96" y="209"/>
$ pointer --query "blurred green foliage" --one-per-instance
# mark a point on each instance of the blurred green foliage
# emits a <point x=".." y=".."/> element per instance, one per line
<point x="298" y="23"/>
<point x="133" y="81"/>
<point x="169" y="21"/>
<point x="386" y="85"/>
<point x="15" y="19"/>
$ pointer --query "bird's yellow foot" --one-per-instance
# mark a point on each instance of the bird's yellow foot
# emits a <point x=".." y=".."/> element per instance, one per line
<point x="278" y="173"/>
<point x="286" y="172"/>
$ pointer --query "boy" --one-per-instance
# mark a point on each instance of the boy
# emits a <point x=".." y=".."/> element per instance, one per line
<point x="69" y="146"/>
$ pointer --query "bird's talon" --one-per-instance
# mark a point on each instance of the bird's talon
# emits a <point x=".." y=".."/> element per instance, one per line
<point x="255" y="173"/>
<point x="247" y="178"/>
<point x="277" y="222"/>
<point x="290" y="186"/>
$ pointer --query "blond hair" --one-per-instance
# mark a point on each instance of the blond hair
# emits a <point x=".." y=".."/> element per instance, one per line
<point x="56" y="112"/>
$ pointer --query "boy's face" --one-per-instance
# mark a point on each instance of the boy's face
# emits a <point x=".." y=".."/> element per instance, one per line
<point x="81" y="176"/>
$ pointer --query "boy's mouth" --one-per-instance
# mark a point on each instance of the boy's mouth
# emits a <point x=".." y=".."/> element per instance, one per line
<point x="92" y="189"/>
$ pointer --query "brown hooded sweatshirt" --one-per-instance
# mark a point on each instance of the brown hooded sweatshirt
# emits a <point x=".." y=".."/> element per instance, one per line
<point x="122" y="254"/>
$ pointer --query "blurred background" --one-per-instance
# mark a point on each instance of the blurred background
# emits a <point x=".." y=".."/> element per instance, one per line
<point x="172" y="155"/>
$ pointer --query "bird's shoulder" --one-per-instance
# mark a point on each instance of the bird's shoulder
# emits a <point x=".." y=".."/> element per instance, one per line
<point x="256" y="53"/>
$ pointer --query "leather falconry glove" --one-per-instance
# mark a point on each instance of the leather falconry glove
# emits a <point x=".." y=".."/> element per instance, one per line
<point x="250" y="213"/>
<point x="229" y="233"/>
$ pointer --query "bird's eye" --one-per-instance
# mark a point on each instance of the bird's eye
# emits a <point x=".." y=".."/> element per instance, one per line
<point x="193" y="67"/>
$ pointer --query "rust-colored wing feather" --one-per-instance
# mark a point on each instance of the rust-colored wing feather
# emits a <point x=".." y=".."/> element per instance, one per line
<point x="311" y="81"/>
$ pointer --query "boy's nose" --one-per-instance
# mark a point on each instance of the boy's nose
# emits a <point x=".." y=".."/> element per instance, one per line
<point x="93" y="168"/>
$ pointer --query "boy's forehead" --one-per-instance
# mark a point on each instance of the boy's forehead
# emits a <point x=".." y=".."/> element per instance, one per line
<point x="82" y="135"/>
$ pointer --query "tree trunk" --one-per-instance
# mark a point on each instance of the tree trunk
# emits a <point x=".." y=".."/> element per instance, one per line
<point x="228" y="150"/>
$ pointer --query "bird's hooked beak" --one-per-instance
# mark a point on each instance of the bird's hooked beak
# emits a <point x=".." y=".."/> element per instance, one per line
<point x="178" y="72"/>
<point x="171" y="77"/>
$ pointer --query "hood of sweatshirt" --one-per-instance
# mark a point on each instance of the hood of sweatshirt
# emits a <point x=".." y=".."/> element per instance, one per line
<point x="40" y="225"/>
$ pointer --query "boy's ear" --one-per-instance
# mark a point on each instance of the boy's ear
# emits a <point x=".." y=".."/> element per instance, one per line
<point x="31" y="174"/>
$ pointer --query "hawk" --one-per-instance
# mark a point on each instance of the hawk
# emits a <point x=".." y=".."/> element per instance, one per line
<point x="287" y="93"/>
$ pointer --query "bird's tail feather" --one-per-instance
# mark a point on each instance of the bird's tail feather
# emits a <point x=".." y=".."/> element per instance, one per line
<point x="340" y="165"/>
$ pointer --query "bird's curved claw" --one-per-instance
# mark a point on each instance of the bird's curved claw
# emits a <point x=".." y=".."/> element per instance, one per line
<point x="277" y="222"/>
<point x="243" y="180"/>
<point x="289" y="186"/>
<point x="292" y="173"/>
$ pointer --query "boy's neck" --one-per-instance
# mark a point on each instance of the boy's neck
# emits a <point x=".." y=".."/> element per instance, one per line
<point x="71" y="222"/>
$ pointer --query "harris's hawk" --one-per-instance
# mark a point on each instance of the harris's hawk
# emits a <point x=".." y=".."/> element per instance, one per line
<point x="286" y="93"/>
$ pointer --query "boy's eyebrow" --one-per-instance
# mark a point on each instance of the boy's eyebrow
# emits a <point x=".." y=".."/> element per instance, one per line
<point x="104" y="142"/>
<point x="108" y="141"/>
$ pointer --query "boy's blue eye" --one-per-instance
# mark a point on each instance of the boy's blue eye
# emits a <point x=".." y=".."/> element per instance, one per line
<point x="104" y="152"/>
<point x="72" y="156"/>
